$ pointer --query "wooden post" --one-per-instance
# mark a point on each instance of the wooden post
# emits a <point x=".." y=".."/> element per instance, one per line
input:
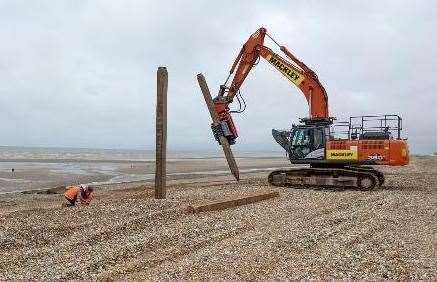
<point x="215" y="206"/>
<point x="161" y="133"/>
<point x="215" y="120"/>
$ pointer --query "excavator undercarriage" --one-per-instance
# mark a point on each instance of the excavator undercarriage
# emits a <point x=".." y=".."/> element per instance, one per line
<point x="364" y="178"/>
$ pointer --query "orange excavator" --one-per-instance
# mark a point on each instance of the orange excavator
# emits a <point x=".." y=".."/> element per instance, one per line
<point x="338" y="153"/>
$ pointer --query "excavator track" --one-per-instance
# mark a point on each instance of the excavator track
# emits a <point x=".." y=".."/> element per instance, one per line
<point x="377" y="173"/>
<point x="347" y="177"/>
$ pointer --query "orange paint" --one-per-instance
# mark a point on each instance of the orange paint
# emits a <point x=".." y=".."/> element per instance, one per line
<point x="391" y="152"/>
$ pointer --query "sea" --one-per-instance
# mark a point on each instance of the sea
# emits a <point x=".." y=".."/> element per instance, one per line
<point x="38" y="168"/>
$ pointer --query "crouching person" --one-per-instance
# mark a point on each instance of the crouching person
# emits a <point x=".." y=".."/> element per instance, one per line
<point x="72" y="193"/>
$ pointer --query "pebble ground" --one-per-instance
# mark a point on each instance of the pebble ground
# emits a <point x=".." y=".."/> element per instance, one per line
<point x="388" y="233"/>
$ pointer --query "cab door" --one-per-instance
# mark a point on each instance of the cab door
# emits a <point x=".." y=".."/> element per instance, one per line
<point x="307" y="143"/>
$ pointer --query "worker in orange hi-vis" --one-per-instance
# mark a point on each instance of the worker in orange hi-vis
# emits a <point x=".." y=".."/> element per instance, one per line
<point x="73" y="192"/>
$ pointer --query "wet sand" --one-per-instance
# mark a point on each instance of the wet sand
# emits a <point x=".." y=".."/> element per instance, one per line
<point x="31" y="174"/>
<point x="388" y="233"/>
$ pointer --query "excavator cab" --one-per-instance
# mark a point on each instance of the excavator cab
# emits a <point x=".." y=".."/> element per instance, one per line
<point x="304" y="142"/>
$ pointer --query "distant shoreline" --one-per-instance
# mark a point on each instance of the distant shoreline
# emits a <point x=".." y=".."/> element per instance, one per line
<point x="123" y="161"/>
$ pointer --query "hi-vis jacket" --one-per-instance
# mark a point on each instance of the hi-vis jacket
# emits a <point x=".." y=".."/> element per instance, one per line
<point x="72" y="192"/>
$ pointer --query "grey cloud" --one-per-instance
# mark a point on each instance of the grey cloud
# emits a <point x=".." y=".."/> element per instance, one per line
<point x="82" y="73"/>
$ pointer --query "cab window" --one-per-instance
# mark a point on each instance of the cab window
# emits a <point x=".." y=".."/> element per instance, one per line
<point x="318" y="138"/>
<point x="301" y="137"/>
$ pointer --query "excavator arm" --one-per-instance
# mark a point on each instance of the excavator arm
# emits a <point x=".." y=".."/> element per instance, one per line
<point x="295" y="71"/>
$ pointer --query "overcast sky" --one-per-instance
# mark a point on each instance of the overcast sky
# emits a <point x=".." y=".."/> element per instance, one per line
<point x="83" y="73"/>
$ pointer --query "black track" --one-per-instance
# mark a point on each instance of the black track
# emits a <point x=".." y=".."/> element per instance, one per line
<point x="366" y="178"/>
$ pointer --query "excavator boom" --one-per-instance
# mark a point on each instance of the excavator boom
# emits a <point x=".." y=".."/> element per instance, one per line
<point x="293" y="69"/>
<point x="296" y="71"/>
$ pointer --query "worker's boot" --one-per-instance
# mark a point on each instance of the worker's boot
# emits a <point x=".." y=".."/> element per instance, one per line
<point x="68" y="205"/>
